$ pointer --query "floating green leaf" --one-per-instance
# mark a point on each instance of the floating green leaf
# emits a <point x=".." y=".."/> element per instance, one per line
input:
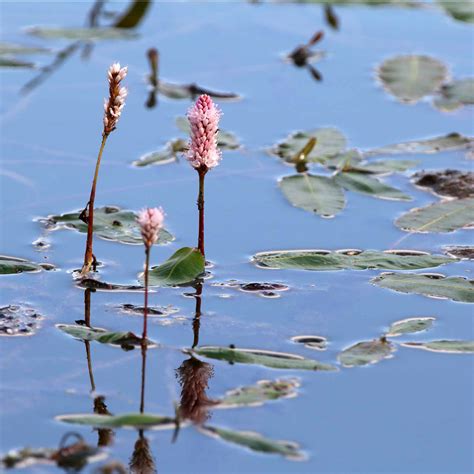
<point x="385" y="166"/>
<point x="274" y="360"/>
<point x="85" y="34"/>
<point x="110" y="223"/>
<point x="329" y="143"/>
<point x="13" y="63"/>
<point x="10" y="48"/>
<point x="349" y="260"/>
<point x="168" y="154"/>
<point x="255" y="442"/>
<point x="461" y="10"/>
<point x="453" y="347"/>
<point x="367" y="352"/>
<point x="443" y="216"/>
<point x="438" y="286"/>
<point x="13" y="265"/>
<point x="362" y="183"/>
<point x="410" y="78"/>
<point x="318" y="194"/>
<point x="455" y="94"/>
<point x="184" y="266"/>
<point x="409" y="326"/>
<point x="258" y="394"/>
<point x="128" y="420"/>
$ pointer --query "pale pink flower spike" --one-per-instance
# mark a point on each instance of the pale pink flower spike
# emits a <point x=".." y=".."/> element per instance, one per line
<point x="114" y="104"/>
<point x="203" y="118"/>
<point x="151" y="222"/>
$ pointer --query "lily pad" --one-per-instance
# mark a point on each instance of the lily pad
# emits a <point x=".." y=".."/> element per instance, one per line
<point x="362" y="183"/>
<point x="255" y="442"/>
<point x="10" y="48"/>
<point x="409" y="326"/>
<point x="453" y="347"/>
<point x="128" y="420"/>
<point x="81" y="34"/>
<point x="435" y="285"/>
<point x="125" y="340"/>
<point x="448" y="183"/>
<point x="110" y="223"/>
<point x="8" y="62"/>
<point x="410" y="78"/>
<point x="455" y="94"/>
<point x="367" y="352"/>
<point x="260" y="393"/>
<point x="385" y="166"/>
<point x="274" y="360"/>
<point x="18" y="320"/>
<point x="14" y="265"/>
<point x="461" y="10"/>
<point x="168" y="154"/>
<point x="329" y="143"/>
<point x="184" y="266"/>
<point x="318" y="194"/>
<point x="318" y="343"/>
<point x="319" y="260"/>
<point x="444" y="216"/>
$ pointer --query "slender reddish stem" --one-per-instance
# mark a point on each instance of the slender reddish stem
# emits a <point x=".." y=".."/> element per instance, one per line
<point x="144" y="335"/>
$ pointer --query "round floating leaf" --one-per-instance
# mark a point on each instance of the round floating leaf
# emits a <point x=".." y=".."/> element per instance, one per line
<point x="319" y="260"/>
<point x="86" y="34"/>
<point x="329" y="143"/>
<point x="13" y="265"/>
<point x="454" y="347"/>
<point x="184" y="266"/>
<point x="110" y="223"/>
<point x="444" y="216"/>
<point x="410" y="78"/>
<point x="456" y="94"/>
<point x="367" y="352"/>
<point x="318" y="194"/>
<point x="362" y="183"/>
<point x="255" y="442"/>
<point x="258" y="394"/>
<point x="409" y="326"/>
<point x="438" y="286"/>
<point x="461" y="10"/>
<point x="274" y="360"/>
<point x="129" y="420"/>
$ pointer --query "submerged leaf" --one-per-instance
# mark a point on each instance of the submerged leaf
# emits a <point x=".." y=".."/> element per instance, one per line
<point x="449" y="183"/>
<point x="438" y="286"/>
<point x="409" y="326"/>
<point x="464" y="252"/>
<point x="13" y="265"/>
<point x="14" y="63"/>
<point x="86" y="34"/>
<point x="367" y="352"/>
<point x="274" y="360"/>
<point x="318" y="194"/>
<point x="349" y="260"/>
<point x="93" y="284"/>
<point x="18" y="320"/>
<point x="184" y="266"/>
<point x="453" y="347"/>
<point x="129" y="420"/>
<point x="443" y="216"/>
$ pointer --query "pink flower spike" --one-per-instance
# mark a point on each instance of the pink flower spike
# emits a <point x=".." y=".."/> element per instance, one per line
<point x="150" y="221"/>
<point x="203" y="118"/>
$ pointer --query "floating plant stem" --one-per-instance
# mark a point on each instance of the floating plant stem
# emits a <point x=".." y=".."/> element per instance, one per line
<point x="112" y="111"/>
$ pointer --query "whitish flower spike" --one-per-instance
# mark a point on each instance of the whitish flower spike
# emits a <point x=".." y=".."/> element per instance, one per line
<point x="114" y="104"/>
<point x="150" y="221"/>
<point x="203" y="118"/>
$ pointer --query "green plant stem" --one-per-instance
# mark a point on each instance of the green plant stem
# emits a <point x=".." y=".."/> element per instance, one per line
<point x="200" y="204"/>
<point x="89" y="256"/>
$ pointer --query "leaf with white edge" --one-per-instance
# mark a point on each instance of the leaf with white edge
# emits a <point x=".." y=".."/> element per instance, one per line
<point x="329" y="143"/>
<point x="168" y="154"/>
<point x="10" y="48"/>
<point x="443" y="216"/>
<point x="455" y="94"/>
<point x="450" y="142"/>
<point x="13" y="265"/>
<point x="260" y="393"/>
<point x="461" y="10"/>
<point x="319" y="260"/>
<point x="318" y="343"/>
<point x="447" y="346"/>
<point x="274" y="360"/>
<point x="367" y="352"/>
<point x="128" y="420"/>
<point x="81" y="34"/>
<point x="385" y="166"/>
<point x="409" y="326"/>
<point x="125" y="340"/>
<point x="318" y="194"/>
<point x="255" y="442"/>
<point x="434" y="285"/>
<point x="110" y="223"/>
<point x="184" y="266"/>
<point x="410" y="78"/>
<point x="365" y="184"/>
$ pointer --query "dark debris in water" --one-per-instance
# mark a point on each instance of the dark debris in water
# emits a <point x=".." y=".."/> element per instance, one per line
<point x="318" y="343"/>
<point x="93" y="284"/>
<point x="264" y="289"/>
<point x="18" y="320"/>
<point x="449" y="183"/>
<point x="158" y="311"/>
<point x="463" y="252"/>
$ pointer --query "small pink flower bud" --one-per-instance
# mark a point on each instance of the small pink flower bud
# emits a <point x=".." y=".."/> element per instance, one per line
<point x="204" y="117"/>
<point x="150" y="221"/>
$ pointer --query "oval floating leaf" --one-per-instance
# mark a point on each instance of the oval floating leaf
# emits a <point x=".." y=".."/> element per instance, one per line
<point x="438" y="286"/>
<point x="444" y="216"/>
<point x="15" y="63"/>
<point x="385" y="166"/>
<point x="9" y="48"/>
<point x="362" y="183"/>
<point x="184" y="266"/>
<point x="367" y="352"/>
<point x="255" y="442"/>
<point x="110" y="223"/>
<point x="456" y="94"/>
<point x="168" y="154"/>
<point x="86" y="34"/>
<point x="318" y="343"/>
<point x="319" y="260"/>
<point x="13" y="265"/>
<point x="318" y="194"/>
<point x="410" y="78"/>
<point x="128" y="420"/>
<point x="453" y="347"/>
<point x="274" y="360"/>
<point x="409" y="326"/>
<point x="461" y="10"/>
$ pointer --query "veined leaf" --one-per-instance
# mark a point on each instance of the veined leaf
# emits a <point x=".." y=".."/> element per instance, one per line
<point x="409" y="326"/>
